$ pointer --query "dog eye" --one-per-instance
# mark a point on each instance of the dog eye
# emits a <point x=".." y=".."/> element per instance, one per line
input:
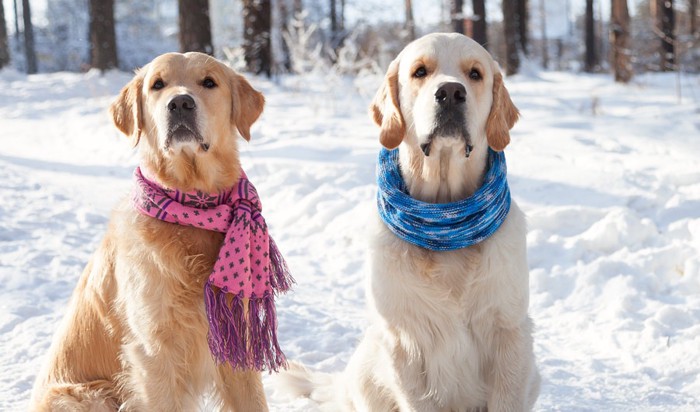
<point x="158" y="84"/>
<point x="420" y="72"/>
<point x="209" y="83"/>
<point x="475" y="75"/>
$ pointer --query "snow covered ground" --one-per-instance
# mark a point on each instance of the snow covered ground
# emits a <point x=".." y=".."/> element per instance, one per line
<point x="608" y="174"/>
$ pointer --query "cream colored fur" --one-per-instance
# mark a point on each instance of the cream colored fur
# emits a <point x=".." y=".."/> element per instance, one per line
<point x="449" y="330"/>
<point x="134" y="337"/>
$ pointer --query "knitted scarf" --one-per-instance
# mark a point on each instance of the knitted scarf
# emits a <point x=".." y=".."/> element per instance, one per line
<point x="442" y="226"/>
<point x="249" y="271"/>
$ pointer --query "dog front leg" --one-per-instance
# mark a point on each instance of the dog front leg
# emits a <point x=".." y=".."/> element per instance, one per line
<point x="411" y="389"/>
<point x="515" y="377"/>
<point x="240" y="391"/>
<point x="166" y="381"/>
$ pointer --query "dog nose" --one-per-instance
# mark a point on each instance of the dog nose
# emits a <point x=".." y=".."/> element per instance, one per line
<point x="451" y="93"/>
<point x="181" y="103"/>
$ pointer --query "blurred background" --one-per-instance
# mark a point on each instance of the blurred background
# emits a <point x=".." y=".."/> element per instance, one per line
<point x="274" y="37"/>
<point x="604" y="162"/>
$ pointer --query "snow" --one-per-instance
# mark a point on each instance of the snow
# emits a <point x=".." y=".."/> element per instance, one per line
<point x="608" y="175"/>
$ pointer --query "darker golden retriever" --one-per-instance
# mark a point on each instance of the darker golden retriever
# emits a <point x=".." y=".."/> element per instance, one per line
<point x="135" y="335"/>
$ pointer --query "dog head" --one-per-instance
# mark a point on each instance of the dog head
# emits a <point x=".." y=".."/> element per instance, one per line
<point x="444" y="88"/>
<point x="185" y="112"/>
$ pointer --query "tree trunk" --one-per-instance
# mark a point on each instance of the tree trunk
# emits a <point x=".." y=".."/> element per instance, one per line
<point x="334" y="20"/>
<point x="103" y="40"/>
<point x="29" y="52"/>
<point x="284" y="21"/>
<point x="545" y="51"/>
<point x="666" y="22"/>
<point x="693" y="12"/>
<point x="601" y="43"/>
<point x="510" y="25"/>
<point x="337" y="35"/>
<point x="457" y="16"/>
<point x="591" y="57"/>
<point x="341" y="16"/>
<point x="194" y="26"/>
<point x="523" y="34"/>
<point x="619" y="36"/>
<point x="297" y="7"/>
<point x="409" y="25"/>
<point x="18" y="39"/>
<point x="4" y="45"/>
<point x="257" y="17"/>
<point x="479" y="22"/>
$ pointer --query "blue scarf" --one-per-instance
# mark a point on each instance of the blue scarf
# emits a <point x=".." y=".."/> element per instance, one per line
<point x="442" y="226"/>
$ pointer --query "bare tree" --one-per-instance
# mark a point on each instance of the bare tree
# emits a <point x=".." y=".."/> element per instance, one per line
<point x="543" y="33"/>
<point x="334" y="18"/>
<point x="457" y="16"/>
<point x="195" y="26"/>
<point x="285" y="20"/>
<point x="666" y="26"/>
<point x="522" y="20"/>
<point x="29" y="52"/>
<point x="479" y="22"/>
<point x="336" y="15"/>
<point x="103" y="40"/>
<point x="337" y="24"/>
<point x="409" y="24"/>
<point x="510" y="25"/>
<point x="591" y="56"/>
<point x="341" y="17"/>
<point x="693" y="14"/>
<point x="18" y="40"/>
<point x="4" y="45"/>
<point x="257" y="19"/>
<point x="619" y="39"/>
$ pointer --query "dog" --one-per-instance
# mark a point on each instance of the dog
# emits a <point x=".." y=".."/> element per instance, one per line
<point x="135" y="335"/>
<point x="449" y="330"/>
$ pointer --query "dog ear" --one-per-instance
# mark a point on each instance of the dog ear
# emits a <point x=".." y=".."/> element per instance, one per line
<point x="386" y="111"/>
<point x="502" y="117"/>
<point x="247" y="104"/>
<point x="126" y="110"/>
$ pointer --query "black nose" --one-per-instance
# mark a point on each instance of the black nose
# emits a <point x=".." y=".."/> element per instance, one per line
<point x="451" y="93"/>
<point x="181" y="103"/>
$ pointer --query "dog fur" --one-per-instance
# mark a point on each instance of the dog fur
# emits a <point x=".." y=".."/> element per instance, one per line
<point x="449" y="331"/>
<point x="134" y="337"/>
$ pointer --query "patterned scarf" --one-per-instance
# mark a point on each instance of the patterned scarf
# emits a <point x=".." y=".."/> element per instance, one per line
<point x="442" y="226"/>
<point x="249" y="269"/>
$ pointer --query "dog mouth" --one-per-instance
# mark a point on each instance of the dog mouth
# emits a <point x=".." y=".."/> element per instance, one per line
<point x="449" y="124"/>
<point x="182" y="134"/>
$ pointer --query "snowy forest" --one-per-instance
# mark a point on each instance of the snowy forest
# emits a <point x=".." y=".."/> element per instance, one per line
<point x="292" y="36"/>
<point x="603" y="161"/>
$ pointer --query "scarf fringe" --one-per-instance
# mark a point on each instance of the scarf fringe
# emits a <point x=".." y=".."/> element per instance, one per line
<point x="281" y="279"/>
<point x="246" y="339"/>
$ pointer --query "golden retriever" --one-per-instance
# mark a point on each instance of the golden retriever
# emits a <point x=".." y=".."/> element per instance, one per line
<point x="135" y="335"/>
<point x="449" y="329"/>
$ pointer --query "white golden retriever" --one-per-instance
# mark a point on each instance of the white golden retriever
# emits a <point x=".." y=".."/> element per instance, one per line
<point x="449" y="329"/>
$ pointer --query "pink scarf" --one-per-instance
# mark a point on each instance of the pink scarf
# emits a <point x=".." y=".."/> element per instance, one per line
<point x="249" y="266"/>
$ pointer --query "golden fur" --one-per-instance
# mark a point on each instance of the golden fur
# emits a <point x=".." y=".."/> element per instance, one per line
<point x="135" y="334"/>
<point x="449" y="331"/>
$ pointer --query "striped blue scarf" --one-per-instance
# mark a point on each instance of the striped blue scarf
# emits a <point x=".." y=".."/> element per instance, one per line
<point x="442" y="226"/>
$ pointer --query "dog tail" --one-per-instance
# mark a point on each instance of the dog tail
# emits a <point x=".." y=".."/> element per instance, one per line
<point x="299" y="381"/>
<point x="94" y="396"/>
